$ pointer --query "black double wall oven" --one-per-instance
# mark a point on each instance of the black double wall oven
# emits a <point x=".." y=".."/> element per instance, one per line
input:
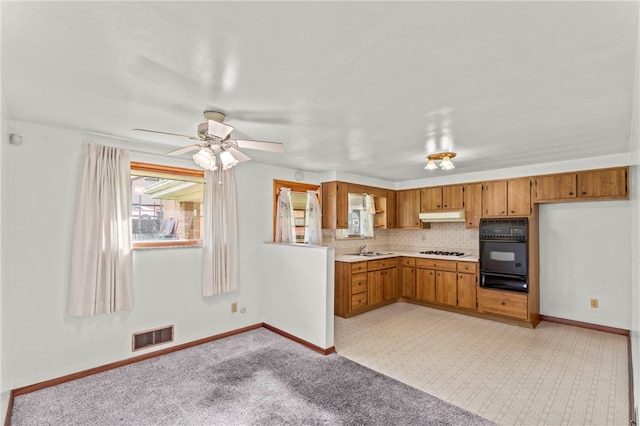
<point x="504" y="254"/>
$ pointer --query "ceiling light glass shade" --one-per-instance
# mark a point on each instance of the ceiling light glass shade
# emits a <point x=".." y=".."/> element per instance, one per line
<point x="228" y="160"/>
<point x="446" y="164"/>
<point x="431" y="165"/>
<point x="205" y="159"/>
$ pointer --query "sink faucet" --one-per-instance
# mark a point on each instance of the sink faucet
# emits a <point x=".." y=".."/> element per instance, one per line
<point x="362" y="249"/>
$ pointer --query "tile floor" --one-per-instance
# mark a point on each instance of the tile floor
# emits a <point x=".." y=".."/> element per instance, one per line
<point x="552" y="375"/>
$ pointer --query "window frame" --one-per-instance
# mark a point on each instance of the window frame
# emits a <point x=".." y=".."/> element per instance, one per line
<point x="161" y="170"/>
<point x="295" y="187"/>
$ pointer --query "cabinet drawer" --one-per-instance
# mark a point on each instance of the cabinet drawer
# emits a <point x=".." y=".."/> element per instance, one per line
<point x="357" y="267"/>
<point x="503" y="303"/>
<point x="408" y="261"/>
<point x="442" y="265"/>
<point x="358" y="301"/>
<point x="468" y="267"/>
<point x="374" y="265"/>
<point x="358" y="283"/>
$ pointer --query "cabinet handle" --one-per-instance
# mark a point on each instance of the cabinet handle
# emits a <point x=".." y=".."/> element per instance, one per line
<point x="571" y="193"/>
<point x="445" y="206"/>
<point x="503" y="303"/>
<point x="584" y="192"/>
<point x="512" y="211"/>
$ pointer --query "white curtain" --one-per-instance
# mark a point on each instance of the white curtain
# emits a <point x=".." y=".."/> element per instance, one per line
<point x="220" y="251"/>
<point x="285" y="223"/>
<point x="369" y="215"/>
<point x="101" y="263"/>
<point x="313" y="220"/>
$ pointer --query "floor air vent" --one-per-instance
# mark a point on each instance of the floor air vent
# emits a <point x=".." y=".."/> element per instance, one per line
<point x="148" y="338"/>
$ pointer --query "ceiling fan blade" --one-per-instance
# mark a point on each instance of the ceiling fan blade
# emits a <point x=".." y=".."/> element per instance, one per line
<point x="186" y="149"/>
<point x="260" y="145"/>
<point x="238" y="155"/>
<point x="219" y="130"/>
<point x="167" y="133"/>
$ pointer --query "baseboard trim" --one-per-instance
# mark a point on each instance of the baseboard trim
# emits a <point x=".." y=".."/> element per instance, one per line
<point x="91" y="371"/>
<point x="311" y="346"/>
<point x="614" y="330"/>
<point x="632" y="404"/>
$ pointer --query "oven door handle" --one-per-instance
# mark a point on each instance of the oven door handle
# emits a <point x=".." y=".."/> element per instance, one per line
<point x="494" y="274"/>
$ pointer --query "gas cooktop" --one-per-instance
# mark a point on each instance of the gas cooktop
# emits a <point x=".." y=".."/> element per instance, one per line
<point x="443" y="253"/>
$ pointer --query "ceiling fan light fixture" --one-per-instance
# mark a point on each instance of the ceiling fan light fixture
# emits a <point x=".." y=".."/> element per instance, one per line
<point x="227" y="160"/>
<point x="205" y="159"/>
<point x="444" y="158"/>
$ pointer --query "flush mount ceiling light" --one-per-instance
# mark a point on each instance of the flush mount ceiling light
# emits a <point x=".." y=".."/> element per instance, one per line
<point x="443" y="157"/>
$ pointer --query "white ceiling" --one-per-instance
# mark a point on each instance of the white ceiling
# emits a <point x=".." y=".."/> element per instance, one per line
<point x="346" y="86"/>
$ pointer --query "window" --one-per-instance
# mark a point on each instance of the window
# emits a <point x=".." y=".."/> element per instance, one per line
<point x="298" y="201"/>
<point x="166" y="206"/>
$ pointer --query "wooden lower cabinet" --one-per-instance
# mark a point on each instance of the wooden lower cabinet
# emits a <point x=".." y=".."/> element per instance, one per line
<point x="447" y="288"/>
<point x="436" y="281"/>
<point x="366" y="285"/>
<point x="507" y="303"/>
<point x="350" y="296"/>
<point x="382" y="281"/>
<point x="407" y="277"/>
<point x="426" y="285"/>
<point x="467" y="284"/>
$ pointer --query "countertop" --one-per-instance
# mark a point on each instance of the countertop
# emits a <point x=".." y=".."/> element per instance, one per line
<point x="355" y="258"/>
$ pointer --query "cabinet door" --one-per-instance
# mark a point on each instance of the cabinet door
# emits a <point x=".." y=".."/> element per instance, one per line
<point x="408" y="282"/>
<point x="603" y="183"/>
<point x="431" y="199"/>
<point x="390" y="284"/>
<point x="426" y="284"/>
<point x="473" y="204"/>
<point x="408" y="208"/>
<point x="335" y="203"/>
<point x="519" y="197"/>
<point x="446" y="288"/>
<point x="555" y="187"/>
<point x="467" y="291"/>
<point x="452" y="197"/>
<point x="391" y="209"/>
<point x="375" y="285"/>
<point x="494" y="200"/>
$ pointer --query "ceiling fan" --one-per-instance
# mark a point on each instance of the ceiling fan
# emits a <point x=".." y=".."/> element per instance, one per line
<point x="216" y="146"/>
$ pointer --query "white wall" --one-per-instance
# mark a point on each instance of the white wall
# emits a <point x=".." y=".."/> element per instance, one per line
<point x="584" y="254"/>
<point x="39" y="342"/>
<point x="298" y="294"/>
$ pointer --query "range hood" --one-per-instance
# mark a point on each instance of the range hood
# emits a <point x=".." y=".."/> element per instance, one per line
<point x="447" y="216"/>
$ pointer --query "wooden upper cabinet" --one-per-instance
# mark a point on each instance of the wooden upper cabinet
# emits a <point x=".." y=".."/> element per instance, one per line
<point x="473" y="204"/>
<point x="601" y="184"/>
<point x="335" y="203"/>
<point x="450" y="197"/>
<point x="408" y="208"/>
<point x="519" y="197"/>
<point x="604" y="183"/>
<point x="507" y="198"/>
<point x="494" y="199"/>
<point x="431" y="198"/>
<point x="391" y="209"/>
<point x="453" y="197"/>
<point x="555" y="187"/>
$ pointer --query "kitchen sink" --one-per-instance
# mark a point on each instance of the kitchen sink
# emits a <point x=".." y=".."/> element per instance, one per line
<point x="369" y="253"/>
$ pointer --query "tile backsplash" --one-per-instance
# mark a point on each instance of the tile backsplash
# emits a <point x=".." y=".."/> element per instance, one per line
<point x="441" y="236"/>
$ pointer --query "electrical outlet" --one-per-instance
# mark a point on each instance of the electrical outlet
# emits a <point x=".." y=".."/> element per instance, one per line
<point x="594" y="303"/>
<point x="234" y="307"/>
